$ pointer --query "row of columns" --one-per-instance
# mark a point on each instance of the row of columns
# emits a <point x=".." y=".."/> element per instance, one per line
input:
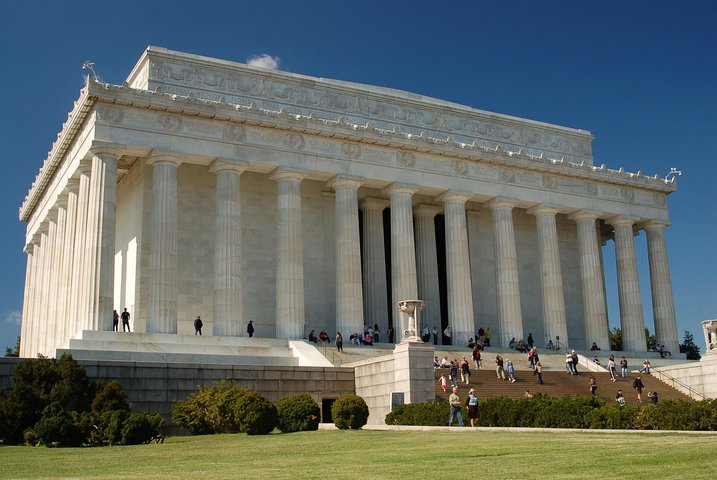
<point x="83" y="225"/>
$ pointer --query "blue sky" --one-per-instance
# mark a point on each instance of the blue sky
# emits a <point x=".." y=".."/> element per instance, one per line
<point x="640" y="75"/>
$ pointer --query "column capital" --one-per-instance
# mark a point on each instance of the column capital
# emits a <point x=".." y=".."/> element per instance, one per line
<point x="164" y="158"/>
<point x="345" y="181"/>
<point x="400" y="189"/>
<point x="650" y="225"/>
<point x="425" y="210"/>
<point x="544" y="209"/>
<point x="449" y="196"/>
<point x="29" y="248"/>
<point x="501" y="202"/>
<point x="584" y="215"/>
<point x="106" y="148"/>
<point x="281" y="174"/>
<point x="85" y="166"/>
<point x="374" y="203"/>
<point x="223" y="165"/>
<point x="622" y="220"/>
<point x="73" y="185"/>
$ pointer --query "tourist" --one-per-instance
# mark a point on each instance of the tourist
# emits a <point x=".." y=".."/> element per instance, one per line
<point x="339" y="341"/>
<point x="389" y="332"/>
<point x="312" y="337"/>
<point x="664" y="352"/>
<point x="367" y="340"/>
<point x="472" y="404"/>
<point x="376" y="333"/>
<point x="369" y="332"/>
<point x="620" y="399"/>
<point x="512" y="344"/>
<point x="623" y="367"/>
<point x="324" y="336"/>
<point x="596" y="360"/>
<point x="568" y="363"/>
<point x="447" y="333"/>
<point x="594" y="347"/>
<point x="653" y="397"/>
<point x="471" y="343"/>
<point x="453" y="373"/>
<point x="455" y="401"/>
<point x="593" y="385"/>
<point x="444" y="382"/>
<point x="550" y="345"/>
<point x="500" y="374"/>
<point x="465" y="371"/>
<point x="487" y="337"/>
<point x="645" y="366"/>
<point x="530" y="340"/>
<point x="612" y="367"/>
<point x="476" y="357"/>
<point x="434" y="332"/>
<point x="576" y="360"/>
<point x="250" y="328"/>
<point x="538" y="372"/>
<point x="436" y="363"/>
<point x="354" y="339"/>
<point x="527" y="394"/>
<point x="426" y="334"/>
<point x="125" y="320"/>
<point x="445" y="363"/>
<point x="638" y="385"/>
<point x="198" y="324"/>
<point x="510" y="368"/>
<point x="481" y="333"/>
<point x="115" y="321"/>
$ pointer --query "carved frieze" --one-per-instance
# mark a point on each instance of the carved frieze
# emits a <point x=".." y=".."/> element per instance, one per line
<point x="507" y="175"/>
<point x="351" y="150"/>
<point x="550" y="182"/>
<point x="110" y="114"/>
<point x="459" y="167"/>
<point x="233" y="132"/>
<point x="627" y="194"/>
<point x="171" y="123"/>
<point x="405" y="159"/>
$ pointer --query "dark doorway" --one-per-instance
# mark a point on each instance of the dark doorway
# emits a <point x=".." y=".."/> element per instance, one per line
<point x="326" y="404"/>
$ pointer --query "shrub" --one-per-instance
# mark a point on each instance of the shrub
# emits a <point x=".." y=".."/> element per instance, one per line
<point x="433" y="413"/>
<point x="109" y="427"/>
<point x="141" y="428"/>
<point x="61" y="428"/>
<point x="211" y="410"/>
<point x="349" y="412"/>
<point x="298" y="413"/>
<point x="255" y="414"/>
<point x="110" y="396"/>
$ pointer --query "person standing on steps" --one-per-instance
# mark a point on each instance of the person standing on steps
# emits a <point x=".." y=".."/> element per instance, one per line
<point x="125" y="320"/>
<point x="339" y="342"/>
<point x="115" y="321"/>
<point x="593" y="385"/>
<point x="638" y="385"/>
<point x="198" y="324"/>
<point x="472" y="404"/>
<point x="250" y="328"/>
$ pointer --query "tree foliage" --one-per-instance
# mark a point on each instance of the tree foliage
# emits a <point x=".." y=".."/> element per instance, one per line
<point x="298" y="413"/>
<point x="349" y="412"/>
<point x="689" y="347"/>
<point x="211" y="410"/>
<point x="10" y="352"/>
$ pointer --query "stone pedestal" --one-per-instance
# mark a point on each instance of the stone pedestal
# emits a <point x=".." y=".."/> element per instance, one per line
<point x="410" y="323"/>
<point x="413" y="371"/>
<point x="710" y="330"/>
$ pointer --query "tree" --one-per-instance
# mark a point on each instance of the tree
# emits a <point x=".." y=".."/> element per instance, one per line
<point x="616" y="339"/>
<point x="9" y="352"/>
<point x="689" y="347"/>
<point x="651" y="341"/>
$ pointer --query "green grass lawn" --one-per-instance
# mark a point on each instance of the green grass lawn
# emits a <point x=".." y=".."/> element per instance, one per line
<point x="374" y="454"/>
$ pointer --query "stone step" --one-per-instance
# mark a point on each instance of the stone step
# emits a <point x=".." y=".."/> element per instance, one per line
<point x="183" y="358"/>
<point x="128" y="345"/>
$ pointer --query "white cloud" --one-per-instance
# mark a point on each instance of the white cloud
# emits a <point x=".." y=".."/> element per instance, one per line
<point x="264" y="61"/>
<point x="14" y="317"/>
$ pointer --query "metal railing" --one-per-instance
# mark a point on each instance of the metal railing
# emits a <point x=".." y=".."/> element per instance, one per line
<point x="678" y="385"/>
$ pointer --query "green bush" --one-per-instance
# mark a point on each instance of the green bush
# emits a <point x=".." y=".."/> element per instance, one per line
<point x="572" y="411"/>
<point x="349" y="412"/>
<point x="255" y="414"/>
<point x="211" y="410"/>
<point x="61" y="428"/>
<point x="298" y="413"/>
<point x="109" y="427"/>
<point x="110" y="396"/>
<point x="142" y="428"/>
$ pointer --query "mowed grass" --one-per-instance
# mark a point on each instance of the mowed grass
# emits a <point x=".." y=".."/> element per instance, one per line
<point x="375" y="454"/>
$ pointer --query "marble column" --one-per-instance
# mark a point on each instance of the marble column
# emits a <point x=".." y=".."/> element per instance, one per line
<point x="228" y="300"/>
<point x="510" y="316"/>
<point x="628" y="285"/>
<point x="591" y="275"/>
<point x="162" y="301"/>
<point x="375" y="298"/>
<point x="68" y="278"/>
<point x="349" y="291"/>
<point x="39" y="294"/>
<point x="78" y="297"/>
<point x="100" y="246"/>
<point x="404" y="285"/>
<point x="290" y="256"/>
<point x="27" y="318"/>
<point x="551" y="279"/>
<point x="55" y="317"/>
<point x="47" y="279"/>
<point x="427" y="265"/>
<point x="663" y="305"/>
<point x="458" y="272"/>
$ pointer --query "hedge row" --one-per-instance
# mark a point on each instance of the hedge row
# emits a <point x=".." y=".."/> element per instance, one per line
<point x="568" y="412"/>
<point x="53" y="403"/>
<point x="225" y="407"/>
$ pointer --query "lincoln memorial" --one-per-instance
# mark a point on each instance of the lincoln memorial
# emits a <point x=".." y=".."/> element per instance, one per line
<point x="206" y="187"/>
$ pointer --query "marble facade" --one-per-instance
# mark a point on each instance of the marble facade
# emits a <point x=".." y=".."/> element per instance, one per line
<point x="207" y="187"/>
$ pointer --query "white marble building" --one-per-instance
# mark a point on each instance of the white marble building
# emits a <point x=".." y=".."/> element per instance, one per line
<point x="207" y="187"/>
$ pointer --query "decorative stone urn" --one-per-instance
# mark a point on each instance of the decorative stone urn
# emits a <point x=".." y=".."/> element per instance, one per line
<point x="710" y="330"/>
<point x="411" y="309"/>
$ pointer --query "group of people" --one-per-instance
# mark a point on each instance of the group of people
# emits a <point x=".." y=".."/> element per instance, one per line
<point x="471" y="403"/>
<point x="571" y="362"/>
<point x="370" y="336"/>
<point x="125" y="321"/>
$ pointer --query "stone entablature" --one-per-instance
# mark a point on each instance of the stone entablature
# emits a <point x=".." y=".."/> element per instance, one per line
<point x="122" y="106"/>
<point x="234" y="83"/>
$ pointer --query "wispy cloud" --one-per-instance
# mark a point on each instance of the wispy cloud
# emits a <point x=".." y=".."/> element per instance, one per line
<point x="14" y="317"/>
<point x="264" y="61"/>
